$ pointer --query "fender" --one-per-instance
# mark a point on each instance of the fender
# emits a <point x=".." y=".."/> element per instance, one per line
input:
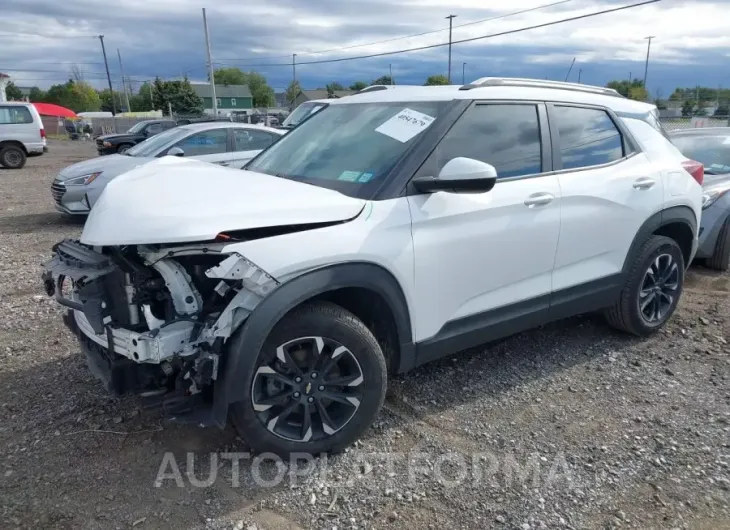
<point x="249" y="339"/>
<point x="681" y="214"/>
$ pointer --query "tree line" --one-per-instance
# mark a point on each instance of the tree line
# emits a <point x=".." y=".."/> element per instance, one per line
<point x="695" y="101"/>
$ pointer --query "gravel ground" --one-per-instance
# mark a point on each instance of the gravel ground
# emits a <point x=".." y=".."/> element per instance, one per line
<point x="569" y="426"/>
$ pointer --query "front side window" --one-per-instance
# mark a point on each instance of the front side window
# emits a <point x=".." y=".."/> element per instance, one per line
<point x="154" y="144"/>
<point x="588" y="137"/>
<point x="251" y="140"/>
<point x="349" y="147"/>
<point x="507" y="136"/>
<point x="14" y="115"/>
<point x="137" y="127"/>
<point x="154" y="128"/>
<point x="204" y="143"/>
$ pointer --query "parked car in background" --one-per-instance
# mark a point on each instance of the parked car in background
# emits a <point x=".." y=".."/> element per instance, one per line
<point x="119" y="143"/>
<point x="78" y="186"/>
<point x="303" y="111"/>
<point x="387" y="230"/>
<point x="711" y="146"/>
<point x="21" y="134"/>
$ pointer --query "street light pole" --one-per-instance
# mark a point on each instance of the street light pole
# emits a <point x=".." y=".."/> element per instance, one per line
<point x="451" y="22"/>
<point x="210" y="68"/>
<point x="390" y="67"/>
<point x="293" y="67"/>
<point x="646" y="66"/>
<point x="108" y="77"/>
<point x="580" y="71"/>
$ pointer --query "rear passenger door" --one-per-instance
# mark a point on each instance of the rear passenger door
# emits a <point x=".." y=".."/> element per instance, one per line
<point x="609" y="188"/>
<point x="480" y="252"/>
<point x="247" y="143"/>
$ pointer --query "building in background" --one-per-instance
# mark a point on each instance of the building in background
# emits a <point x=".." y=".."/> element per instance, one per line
<point x="231" y="98"/>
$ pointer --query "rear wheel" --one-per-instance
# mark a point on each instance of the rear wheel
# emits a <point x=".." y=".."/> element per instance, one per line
<point x="720" y="259"/>
<point x="316" y="386"/>
<point x="12" y="157"/>
<point x="652" y="290"/>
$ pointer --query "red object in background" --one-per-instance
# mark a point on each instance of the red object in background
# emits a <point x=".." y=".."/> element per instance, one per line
<point x="49" y="109"/>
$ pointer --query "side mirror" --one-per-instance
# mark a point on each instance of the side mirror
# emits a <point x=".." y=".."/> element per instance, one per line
<point x="460" y="175"/>
<point x="175" y="151"/>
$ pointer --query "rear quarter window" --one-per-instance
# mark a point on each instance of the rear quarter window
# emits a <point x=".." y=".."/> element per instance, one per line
<point x="12" y="115"/>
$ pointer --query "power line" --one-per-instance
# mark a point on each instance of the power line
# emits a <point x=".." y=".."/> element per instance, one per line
<point x="472" y="39"/>
<point x="430" y="32"/>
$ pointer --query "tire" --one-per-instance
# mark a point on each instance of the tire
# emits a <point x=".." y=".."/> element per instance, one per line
<point x="270" y="429"/>
<point x="124" y="148"/>
<point x="720" y="259"/>
<point x="626" y="315"/>
<point x="12" y="157"/>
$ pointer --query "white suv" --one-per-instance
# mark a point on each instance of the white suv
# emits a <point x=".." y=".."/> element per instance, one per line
<point x="387" y="230"/>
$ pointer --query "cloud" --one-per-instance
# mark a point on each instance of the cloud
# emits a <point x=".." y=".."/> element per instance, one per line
<point x="41" y="39"/>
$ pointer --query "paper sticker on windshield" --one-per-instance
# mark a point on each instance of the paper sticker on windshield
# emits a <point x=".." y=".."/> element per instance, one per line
<point x="405" y="125"/>
<point x="365" y="177"/>
<point x="350" y="176"/>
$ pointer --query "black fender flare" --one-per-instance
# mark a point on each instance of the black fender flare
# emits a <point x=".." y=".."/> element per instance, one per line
<point x="681" y="214"/>
<point x="250" y="337"/>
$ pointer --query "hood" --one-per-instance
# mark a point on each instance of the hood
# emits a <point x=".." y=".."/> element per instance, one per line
<point x="109" y="165"/>
<point x="118" y="136"/>
<point x="174" y="200"/>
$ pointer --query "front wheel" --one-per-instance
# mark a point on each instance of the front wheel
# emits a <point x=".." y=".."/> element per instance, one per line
<point x="315" y="387"/>
<point x="652" y="290"/>
<point x="720" y="259"/>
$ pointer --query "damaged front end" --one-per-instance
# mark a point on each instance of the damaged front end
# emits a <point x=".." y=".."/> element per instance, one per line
<point x="153" y="320"/>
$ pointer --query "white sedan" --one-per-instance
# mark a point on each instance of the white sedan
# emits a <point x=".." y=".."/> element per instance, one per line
<point x="230" y="144"/>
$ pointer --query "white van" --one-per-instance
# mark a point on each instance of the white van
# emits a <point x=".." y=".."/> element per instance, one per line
<point x="21" y="134"/>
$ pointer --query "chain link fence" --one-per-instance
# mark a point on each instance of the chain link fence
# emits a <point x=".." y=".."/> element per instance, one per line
<point x="693" y="122"/>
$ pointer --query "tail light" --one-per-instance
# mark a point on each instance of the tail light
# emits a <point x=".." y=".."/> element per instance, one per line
<point x="696" y="169"/>
<point x="43" y="133"/>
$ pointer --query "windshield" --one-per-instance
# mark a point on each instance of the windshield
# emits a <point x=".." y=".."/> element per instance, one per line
<point x="151" y="146"/>
<point x="350" y="148"/>
<point x="301" y="112"/>
<point x="712" y="151"/>
<point x="137" y="127"/>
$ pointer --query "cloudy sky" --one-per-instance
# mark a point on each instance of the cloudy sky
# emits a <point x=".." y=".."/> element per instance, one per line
<point x="40" y="40"/>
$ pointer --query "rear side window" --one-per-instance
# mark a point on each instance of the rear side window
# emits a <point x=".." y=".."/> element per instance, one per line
<point x="507" y="136"/>
<point x="588" y="137"/>
<point x="12" y="115"/>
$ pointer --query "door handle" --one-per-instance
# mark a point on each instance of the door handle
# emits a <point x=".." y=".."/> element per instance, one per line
<point x="644" y="183"/>
<point x="539" y="199"/>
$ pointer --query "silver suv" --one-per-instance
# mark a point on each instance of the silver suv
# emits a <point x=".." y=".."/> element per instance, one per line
<point x="21" y="134"/>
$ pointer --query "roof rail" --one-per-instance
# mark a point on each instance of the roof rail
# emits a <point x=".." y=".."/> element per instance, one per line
<point x="539" y="83"/>
<point x="373" y="88"/>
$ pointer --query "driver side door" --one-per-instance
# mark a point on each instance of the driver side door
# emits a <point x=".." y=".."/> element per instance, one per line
<point x="484" y="261"/>
<point x="208" y="146"/>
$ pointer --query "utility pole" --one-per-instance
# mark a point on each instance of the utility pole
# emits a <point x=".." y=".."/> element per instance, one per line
<point x="108" y="78"/>
<point x="210" y="67"/>
<point x="463" y="71"/>
<point x="648" y="49"/>
<point x="390" y="67"/>
<point x="451" y="22"/>
<point x="570" y="70"/>
<point x="124" y="87"/>
<point x="580" y="71"/>
<point x="152" y="101"/>
<point x="293" y="67"/>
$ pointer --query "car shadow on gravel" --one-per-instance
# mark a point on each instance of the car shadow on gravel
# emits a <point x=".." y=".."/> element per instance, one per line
<point x="28" y="223"/>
